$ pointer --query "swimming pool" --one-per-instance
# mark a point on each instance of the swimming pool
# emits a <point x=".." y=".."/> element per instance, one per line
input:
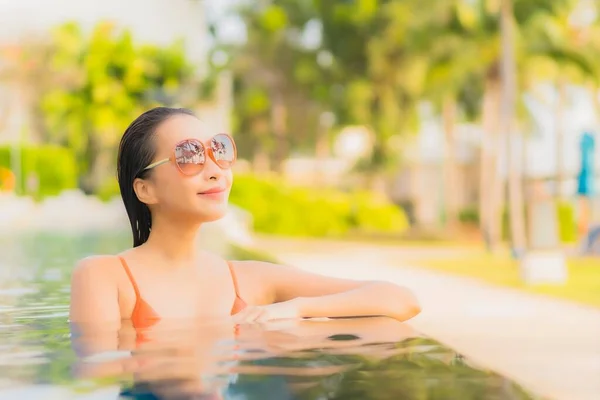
<point x="355" y="359"/>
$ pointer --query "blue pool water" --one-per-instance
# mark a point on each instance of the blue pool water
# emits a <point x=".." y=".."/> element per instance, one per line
<point x="355" y="359"/>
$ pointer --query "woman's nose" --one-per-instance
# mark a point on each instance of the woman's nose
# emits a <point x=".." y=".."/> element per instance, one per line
<point x="212" y="170"/>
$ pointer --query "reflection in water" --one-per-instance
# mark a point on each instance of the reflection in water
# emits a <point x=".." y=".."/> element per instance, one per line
<point x="361" y="359"/>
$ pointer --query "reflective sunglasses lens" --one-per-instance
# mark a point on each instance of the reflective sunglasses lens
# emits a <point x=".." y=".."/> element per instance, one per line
<point x="190" y="157"/>
<point x="223" y="149"/>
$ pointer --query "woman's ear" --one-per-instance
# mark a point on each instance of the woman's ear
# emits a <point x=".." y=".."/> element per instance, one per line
<point x="144" y="191"/>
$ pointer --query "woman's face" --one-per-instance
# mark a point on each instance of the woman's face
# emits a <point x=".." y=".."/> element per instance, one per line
<point x="175" y="193"/>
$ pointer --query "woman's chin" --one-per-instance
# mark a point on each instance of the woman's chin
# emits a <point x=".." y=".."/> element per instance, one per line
<point x="214" y="212"/>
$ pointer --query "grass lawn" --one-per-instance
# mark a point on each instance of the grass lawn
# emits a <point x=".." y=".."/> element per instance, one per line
<point x="583" y="285"/>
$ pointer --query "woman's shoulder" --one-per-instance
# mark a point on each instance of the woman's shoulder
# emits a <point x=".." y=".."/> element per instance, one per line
<point x="94" y="261"/>
<point x="96" y="266"/>
<point x="94" y="291"/>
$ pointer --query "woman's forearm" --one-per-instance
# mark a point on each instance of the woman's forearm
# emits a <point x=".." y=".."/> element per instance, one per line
<point x="370" y="299"/>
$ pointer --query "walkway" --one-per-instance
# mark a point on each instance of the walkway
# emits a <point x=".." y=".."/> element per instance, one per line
<point x="549" y="346"/>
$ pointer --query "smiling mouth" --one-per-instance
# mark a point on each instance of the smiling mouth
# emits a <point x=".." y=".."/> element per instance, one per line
<point x="213" y="191"/>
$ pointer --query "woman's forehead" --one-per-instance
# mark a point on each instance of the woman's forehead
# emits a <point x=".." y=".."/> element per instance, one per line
<point x="181" y="127"/>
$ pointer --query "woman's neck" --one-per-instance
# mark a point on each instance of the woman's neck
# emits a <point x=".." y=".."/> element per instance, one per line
<point x="175" y="240"/>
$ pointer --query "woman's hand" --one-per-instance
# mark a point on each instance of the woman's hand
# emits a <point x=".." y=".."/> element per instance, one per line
<point x="277" y="311"/>
<point x="320" y="296"/>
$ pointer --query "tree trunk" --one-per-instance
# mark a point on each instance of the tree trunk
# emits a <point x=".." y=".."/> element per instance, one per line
<point x="491" y="185"/>
<point x="321" y="152"/>
<point x="261" y="163"/>
<point x="586" y="207"/>
<point x="450" y="168"/>
<point x="278" y="126"/>
<point x="596" y="102"/>
<point x="89" y="179"/>
<point x="508" y="72"/>
<point x="560" y="137"/>
<point x="260" y="157"/>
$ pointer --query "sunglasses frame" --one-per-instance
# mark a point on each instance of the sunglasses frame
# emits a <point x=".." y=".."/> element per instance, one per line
<point x="207" y="150"/>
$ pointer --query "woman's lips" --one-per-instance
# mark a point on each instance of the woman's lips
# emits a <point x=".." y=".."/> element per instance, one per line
<point x="213" y="190"/>
<point x="215" y="193"/>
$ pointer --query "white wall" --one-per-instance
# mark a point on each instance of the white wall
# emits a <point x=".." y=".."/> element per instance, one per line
<point x="540" y="159"/>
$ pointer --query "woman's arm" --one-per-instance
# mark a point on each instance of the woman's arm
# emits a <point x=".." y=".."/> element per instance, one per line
<point x="94" y="293"/>
<point x="297" y="293"/>
<point x="368" y="299"/>
<point x="97" y="334"/>
<point x="94" y="313"/>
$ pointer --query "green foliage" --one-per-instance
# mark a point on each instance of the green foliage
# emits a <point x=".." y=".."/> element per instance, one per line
<point x="393" y="55"/>
<point x="372" y="214"/>
<point x="274" y="72"/>
<point x="109" y="189"/>
<point x="469" y="216"/>
<point x="506" y="227"/>
<point x="280" y="208"/>
<point x="45" y="170"/>
<point x="565" y="214"/>
<point x="101" y="82"/>
<point x="567" y="225"/>
<point x="381" y="78"/>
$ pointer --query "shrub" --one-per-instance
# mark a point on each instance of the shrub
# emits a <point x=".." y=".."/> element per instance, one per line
<point x="52" y="167"/>
<point x="469" y="216"/>
<point x="565" y="214"/>
<point x="506" y="226"/>
<point x="96" y="81"/>
<point x="109" y="189"/>
<point x="280" y="208"/>
<point x="567" y="225"/>
<point x="373" y="214"/>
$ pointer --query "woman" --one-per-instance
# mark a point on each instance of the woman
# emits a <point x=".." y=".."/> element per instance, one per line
<point x="171" y="182"/>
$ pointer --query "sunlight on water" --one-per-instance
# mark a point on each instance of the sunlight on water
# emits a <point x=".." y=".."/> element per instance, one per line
<point x="366" y="358"/>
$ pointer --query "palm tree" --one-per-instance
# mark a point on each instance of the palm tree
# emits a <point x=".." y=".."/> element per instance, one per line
<point x="274" y="74"/>
<point x="379" y="76"/>
<point x="457" y="46"/>
<point x="494" y="29"/>
<point x="509" y="93"/>
<point x="259" y="69"/>
<point x="560" y="55"/>
<point x="563" y="39"/>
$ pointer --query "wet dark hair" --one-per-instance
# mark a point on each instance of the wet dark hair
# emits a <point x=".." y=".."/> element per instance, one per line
<point x="136" y="152"/>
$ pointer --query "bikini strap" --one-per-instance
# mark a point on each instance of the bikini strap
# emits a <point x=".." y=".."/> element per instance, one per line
<point x="233" y="278"/>
<point x="133" y="283"/>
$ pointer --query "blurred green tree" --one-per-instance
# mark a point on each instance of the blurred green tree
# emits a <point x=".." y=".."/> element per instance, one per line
<point x="276" y="81"/>
<point x="380" y="80"/>
<point x="100" y="83"/>
<point x="375" y="61"/>
<point x="464" y="74"/>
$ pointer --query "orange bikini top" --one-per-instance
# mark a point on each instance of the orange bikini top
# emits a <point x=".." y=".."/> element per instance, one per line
<point x="143" y="314"/>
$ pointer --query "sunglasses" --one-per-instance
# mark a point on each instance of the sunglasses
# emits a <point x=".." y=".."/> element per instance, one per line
<point x="189" y="155"/>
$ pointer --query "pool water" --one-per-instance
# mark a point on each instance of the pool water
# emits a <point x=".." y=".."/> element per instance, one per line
<point x="355" y="359"/>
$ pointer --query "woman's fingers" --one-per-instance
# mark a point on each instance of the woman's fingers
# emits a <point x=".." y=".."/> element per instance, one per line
<point x="250" y="314"/>
<point x="283" y="310"/>
<point x="240" y="317"/>
<point x="264" y="316"/>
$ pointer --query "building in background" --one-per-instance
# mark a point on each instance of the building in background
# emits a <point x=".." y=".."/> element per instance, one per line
<point x="419" y="183"/>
